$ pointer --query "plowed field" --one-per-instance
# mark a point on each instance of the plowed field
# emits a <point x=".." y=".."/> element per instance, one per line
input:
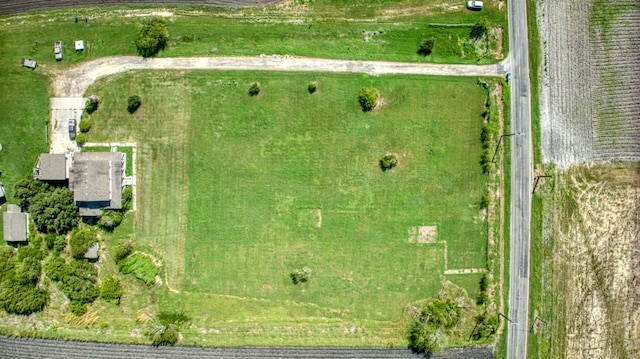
<point x="591" y="81"/>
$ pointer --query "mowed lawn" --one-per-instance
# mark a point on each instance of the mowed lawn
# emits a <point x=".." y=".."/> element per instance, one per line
<point x="235" y="192"/>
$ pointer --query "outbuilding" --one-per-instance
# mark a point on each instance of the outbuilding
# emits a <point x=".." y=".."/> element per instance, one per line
<point x="15" y="225"/>
<point x="79" y="45"/>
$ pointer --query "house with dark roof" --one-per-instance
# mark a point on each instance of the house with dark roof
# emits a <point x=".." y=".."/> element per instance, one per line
<point x="96" y="181"/>
<point x="51" y="167"/>
<point x="15" y="225"/>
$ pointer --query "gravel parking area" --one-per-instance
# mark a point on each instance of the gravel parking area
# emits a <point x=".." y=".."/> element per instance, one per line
<point x="63" y="109"/>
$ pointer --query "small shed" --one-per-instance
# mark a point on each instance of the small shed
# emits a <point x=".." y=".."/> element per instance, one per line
<point x="15" y="224"/>
<point x="79" y="45"/>
<point x="28" y="63"/>
<point x="92" y="253"/>
<point x="51" y="167"/>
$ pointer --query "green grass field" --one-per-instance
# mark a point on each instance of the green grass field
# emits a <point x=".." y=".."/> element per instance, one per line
<point x="232" y="187"/>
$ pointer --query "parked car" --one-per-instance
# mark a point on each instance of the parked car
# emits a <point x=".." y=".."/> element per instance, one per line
<point x="507" y="77"/>
<point x="474" y="5"/>
<point x="72" y="128"/>
<point x="57" y="50"/>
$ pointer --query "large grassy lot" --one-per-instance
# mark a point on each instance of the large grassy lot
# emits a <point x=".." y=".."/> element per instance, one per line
<point x="235" y="192"/>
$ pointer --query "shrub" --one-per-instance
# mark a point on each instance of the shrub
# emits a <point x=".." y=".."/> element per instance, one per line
<point x="77" y="308"/>
<point x="313" y="87"/>
<point x="164" y="335"/>
<point x="426" y="46"/>
<point x="22" y="299"/>
<point x="300" y="275"/>
<point x="56" y="268"/>
<point x="140" y="266"/>
<point x="110" y="219"/>
<point x="483" y="298"/>
<point x="127" y="198"/>
<point x="91" y="105"/>
<point x="426" y="331"/>
<point x="133" y="103"/>
<point x="486" y="325"/>
<point x="153" y="37"/>
<point x="81" y="240"/>
<point x="81" y="139"/>
<point x="111" y="289"/>
<point x="28" y="271"/>
<point x="254" y="89"/>
<point x="166" y="318"/>
<point x="85" y="125"/>
<point x="484" y="201"/>
<point x="484" y="283"/>
<point x="368" y="98"/>
<point x="79" y="284"/>
<point x="122" y="251"/>
<point x="388" y="161"/>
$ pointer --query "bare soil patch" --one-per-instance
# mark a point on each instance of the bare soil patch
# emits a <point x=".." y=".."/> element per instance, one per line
<point x="423" y="234"/>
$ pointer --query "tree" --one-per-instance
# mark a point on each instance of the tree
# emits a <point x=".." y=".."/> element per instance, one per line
<point x="133" y="103"/>
<point x="313" y="87"/>
<point x="368" y="98"/>
<point x="111" y="289"/>
<point x="153" y="37"/>
<point x="426" y="46"/>
<point x="427" y="330"/>
<point x="54" y="210"/>
<point x="388" y="161"/>
<point x="254" y="89"/>
<point x="85" y="125"/>
<point x="26" y="189"/>
<point x="81" y="240"/>
<point x="480" y="28"/>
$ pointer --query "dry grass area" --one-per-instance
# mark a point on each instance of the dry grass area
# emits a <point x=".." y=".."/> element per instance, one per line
<point x="590" y="80"/>
<point x="595" y="281"/>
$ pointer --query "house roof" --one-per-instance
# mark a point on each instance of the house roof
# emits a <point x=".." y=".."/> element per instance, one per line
<point x="96" y="179"/>
<point x="51" y="167"/>
<point x="79" y="45"/>
<point x="92" y="252"/>
<point x="14" y="224"/>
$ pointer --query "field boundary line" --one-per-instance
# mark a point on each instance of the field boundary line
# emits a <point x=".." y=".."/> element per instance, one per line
<point x="459" y="270"/>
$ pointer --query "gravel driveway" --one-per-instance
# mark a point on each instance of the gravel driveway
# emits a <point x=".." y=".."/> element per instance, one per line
<point x="75" y="81"/>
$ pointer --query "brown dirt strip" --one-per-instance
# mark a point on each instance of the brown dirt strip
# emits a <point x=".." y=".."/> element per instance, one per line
<point x="8" y="7"/>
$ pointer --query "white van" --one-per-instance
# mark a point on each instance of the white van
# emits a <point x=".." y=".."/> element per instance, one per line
<point x="474" y="5"/>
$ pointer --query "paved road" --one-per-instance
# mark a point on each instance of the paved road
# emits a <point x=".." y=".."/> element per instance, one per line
<point x="521" y="173"/>
<point x="75" y="81"/>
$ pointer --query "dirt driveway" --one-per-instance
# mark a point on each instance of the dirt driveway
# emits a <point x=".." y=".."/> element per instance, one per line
<point x="75" y="81"/>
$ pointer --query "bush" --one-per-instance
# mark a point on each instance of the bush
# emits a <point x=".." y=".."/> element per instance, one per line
<point x="133" y="103"/>
<point x="426" y="46"/>
<point x="153" y="37"/>
<point x="28" y="271"/>
<point x="254" y="89"/>
<point x="368" y="98"/>
<point x="484" y="201"/>
<point x="166" y="318"/>
<point x="85" y="125"/>
<point x="91" y="105"/>
<point x="79" y="284"/>
<point x="81" y="240"/>
<point x="140" y="266"/>
<point x="300" y="275"/>
<point x="164" y="335"/>
<point x="426" y="331"/>
<point x="480" y="28"/>
<point x="22" y="299"/>
<point x="388" y="161"/>
<point x="485" y="326"/>
<point x="313" y="87"/>
<point x="127" y="198"/>
<point x="483" y="298"/>
<point x="56" y="268"/>
<point x="81" y="139"/>
<point x="110" y="219"/>
<point x="484" y="283"/>
<point x="77" y="308"/>
<point x="122" y="251"/>
<point x="111" y="290"/>
<point x="53" y="210"/>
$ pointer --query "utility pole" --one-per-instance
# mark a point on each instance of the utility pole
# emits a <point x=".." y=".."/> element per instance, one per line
<point x="493" y="159"/>
<point x="505" y="317"/>
<point x="537" y="180"/>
